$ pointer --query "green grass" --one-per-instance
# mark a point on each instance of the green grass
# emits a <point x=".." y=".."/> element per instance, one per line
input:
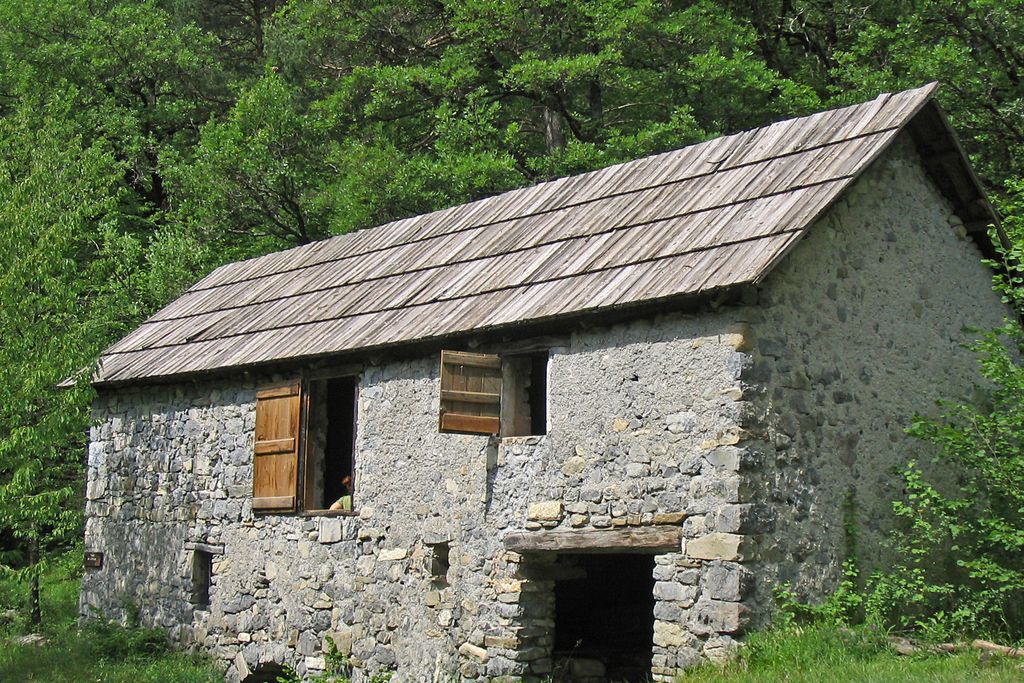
<point x="102" y="653"/>
<point x="825" y="654"/>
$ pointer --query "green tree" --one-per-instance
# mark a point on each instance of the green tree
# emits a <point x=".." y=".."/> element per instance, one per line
<point x="974" y="48"/>
<point x="91" y="93"/>
<point x="373" y="111"/>
<point x="59" y="199"/>
<point x="253" y="180"/>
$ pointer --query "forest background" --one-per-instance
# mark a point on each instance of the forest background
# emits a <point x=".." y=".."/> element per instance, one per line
<point x="144" y="143"/>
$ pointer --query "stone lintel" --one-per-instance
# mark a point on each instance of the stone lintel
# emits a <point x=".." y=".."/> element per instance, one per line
<point x="206" y="548"/>
<point x="717" y="546"/>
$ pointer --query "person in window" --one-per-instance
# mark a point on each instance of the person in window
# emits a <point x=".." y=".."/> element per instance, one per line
<point x="345" y="502"/>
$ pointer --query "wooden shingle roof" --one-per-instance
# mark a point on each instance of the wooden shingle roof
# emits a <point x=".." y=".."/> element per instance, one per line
<point x="695" y="220"/>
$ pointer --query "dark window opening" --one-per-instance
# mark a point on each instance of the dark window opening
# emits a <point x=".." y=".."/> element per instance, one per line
<point x="439" y="563"/>
<point x="330" y="429"/>
<point x="537" y="394"/>
<point x="524" y="401"/>
<point x="339" y="448"/>
<point x="202" y="575"/>
<point x="606" y="618"/>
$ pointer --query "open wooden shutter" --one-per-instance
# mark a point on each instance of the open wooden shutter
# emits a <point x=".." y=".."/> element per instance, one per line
<point x="470" y="393"/>
<point x="276" y="448"/>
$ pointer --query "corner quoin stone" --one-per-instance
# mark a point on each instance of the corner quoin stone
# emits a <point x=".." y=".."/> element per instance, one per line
<point x="716" y="546"/>
<point x="716" y="616"/>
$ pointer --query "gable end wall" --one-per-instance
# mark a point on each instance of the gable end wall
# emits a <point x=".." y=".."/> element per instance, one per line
<point x="858" y="330"/>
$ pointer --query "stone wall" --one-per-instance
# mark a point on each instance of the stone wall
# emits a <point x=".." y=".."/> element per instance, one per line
<point x="760" y="429"/>
<point x="858" y="330"/>
<point x="642" y="421"/>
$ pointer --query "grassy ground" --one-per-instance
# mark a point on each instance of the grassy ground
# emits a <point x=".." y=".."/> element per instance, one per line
<point x="101" y="654"/>
<point x="820" y="654"/>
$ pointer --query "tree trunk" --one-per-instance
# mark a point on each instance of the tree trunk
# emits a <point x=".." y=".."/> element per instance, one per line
<point x="596" y="104"/>
<point x="35" y="613"/>
<point x="554" y="136"/>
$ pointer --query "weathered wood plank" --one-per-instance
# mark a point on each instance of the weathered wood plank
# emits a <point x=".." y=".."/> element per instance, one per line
<point x="473" y="424"/>
<point x="274" y="446"/>
<point x="476" y="360"/>
<point x="469" y="396"/>
<point x="661" y="538"/>
<point x="277" y="392"/>
<point x="273" y="503"/>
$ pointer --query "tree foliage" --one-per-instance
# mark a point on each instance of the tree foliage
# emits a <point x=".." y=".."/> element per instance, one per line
<point x="58" y="201"/>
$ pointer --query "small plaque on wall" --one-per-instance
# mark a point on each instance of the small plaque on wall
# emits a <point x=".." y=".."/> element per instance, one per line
<point x="93" y="559"/>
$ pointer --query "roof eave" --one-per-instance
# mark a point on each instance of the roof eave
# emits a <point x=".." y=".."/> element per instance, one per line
<point x="675" y="304"/>
<point x="950" y="169"/>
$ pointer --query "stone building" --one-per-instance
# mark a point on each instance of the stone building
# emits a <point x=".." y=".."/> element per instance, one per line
<point x="589" y="424"/>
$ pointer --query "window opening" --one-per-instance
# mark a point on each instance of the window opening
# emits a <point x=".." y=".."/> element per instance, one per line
<point x="439" y="562"/>
<point x="304" y="449"/>
<point x="339" y="449"/>
<point x="202" y="575"/>
<point x="490" y="394"/>
<point x="606" y="616"/>
<point x="525" y="395"/>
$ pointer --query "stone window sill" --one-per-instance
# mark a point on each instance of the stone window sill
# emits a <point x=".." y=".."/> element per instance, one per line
<point x="527" y="440"/>
<point x="329" y="513"/>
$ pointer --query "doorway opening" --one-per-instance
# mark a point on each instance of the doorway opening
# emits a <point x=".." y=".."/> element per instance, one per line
<point x="604" y="617"/>
<point x="267" y="673"/>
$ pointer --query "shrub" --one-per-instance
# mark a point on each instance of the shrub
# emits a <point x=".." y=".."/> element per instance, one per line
<point x="961" y="555"/>
<point x="841" y="608"/>
<point x="111" y="641"/>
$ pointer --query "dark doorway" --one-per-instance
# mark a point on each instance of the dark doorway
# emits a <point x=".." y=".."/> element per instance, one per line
<point x="268" y="673"/>
<point x="202" y="572"/>
<point x="606" y="616"/>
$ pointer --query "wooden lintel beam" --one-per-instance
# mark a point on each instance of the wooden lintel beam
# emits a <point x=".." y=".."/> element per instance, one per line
<point x="660" y="538"/>
<point x="333" y="371"/>
<point x="529" y="345"/>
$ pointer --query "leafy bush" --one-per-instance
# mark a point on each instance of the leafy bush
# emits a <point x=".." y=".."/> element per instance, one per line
<point x="961" y="566"/>
<point x="113" y="642"/>
<point x="842" y="608"/>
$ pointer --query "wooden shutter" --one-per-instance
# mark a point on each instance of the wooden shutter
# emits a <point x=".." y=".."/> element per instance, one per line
<point x="470" y="393"/>
<point x="275" y="462"/>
